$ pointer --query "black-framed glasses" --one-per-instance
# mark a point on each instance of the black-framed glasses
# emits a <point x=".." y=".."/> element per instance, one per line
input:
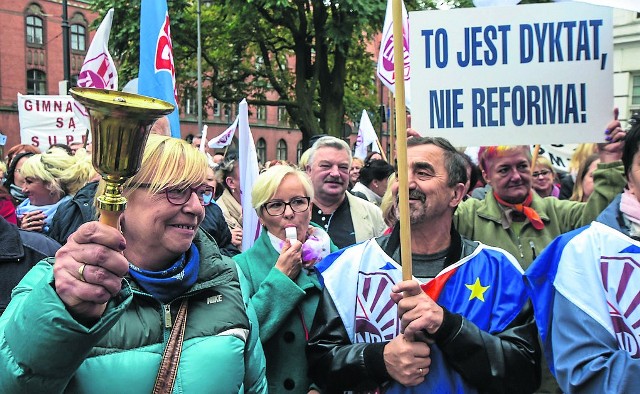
<point x="277" y="207"/>
<point x="541" y="172"/>
<point x="177" y="196"/>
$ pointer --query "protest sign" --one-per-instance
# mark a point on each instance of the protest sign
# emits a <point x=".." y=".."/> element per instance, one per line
<point x="539" y="73"/>
<point x="47" y="120"/>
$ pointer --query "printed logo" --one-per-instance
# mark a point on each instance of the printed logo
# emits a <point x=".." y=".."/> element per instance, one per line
<point x="164" y="54"/>
<point x="376" y="314"/>
<point x="621" y="280"/>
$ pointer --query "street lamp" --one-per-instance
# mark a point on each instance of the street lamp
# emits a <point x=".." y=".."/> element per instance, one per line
<point x="199" y="57"/>
<point x="199" y="60"/>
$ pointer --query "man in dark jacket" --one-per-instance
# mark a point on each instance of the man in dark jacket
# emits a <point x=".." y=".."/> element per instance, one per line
<point x="80" y="209"/>
<point x="470" y="328"/>
<point x="19" y="251"/>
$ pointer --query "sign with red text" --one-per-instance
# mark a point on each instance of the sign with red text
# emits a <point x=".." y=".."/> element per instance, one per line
<point x="514" y="75"/>
<point x="47" y="120"/>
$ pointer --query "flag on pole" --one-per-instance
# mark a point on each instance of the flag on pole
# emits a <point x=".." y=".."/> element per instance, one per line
<point x="248" y="172"/>
<point x="226" y="137"/>
<point x="157" y="74"/>
<point x="385" y="57"/>
<point x="485" y="287"/>
<point x="366" y="136"/>
<point x="98" y="70"/>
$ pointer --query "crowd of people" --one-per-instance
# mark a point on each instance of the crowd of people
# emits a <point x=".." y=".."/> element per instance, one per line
<point x="522" y="276"/>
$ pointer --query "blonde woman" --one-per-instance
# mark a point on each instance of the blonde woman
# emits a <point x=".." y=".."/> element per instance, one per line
<point x="583" y="187"/>
<point x="102" y="311"/>
<point x="50" y="178"/>
<point x="284" y="287"/>
<point x="544" y="178"/>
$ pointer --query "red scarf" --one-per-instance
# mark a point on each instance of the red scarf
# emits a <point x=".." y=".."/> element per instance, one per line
<point x="525" y="208"/>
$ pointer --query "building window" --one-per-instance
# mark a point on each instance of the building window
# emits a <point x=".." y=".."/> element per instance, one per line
<point x="190" y="101"/>
<point x="281" y="150"/>
<point x="34" y="30"/>
<point x="635" y="91"/>
<point x="261" y="113"/>
<point x="282" y="115"/>
<point x="78" y="38"/>
<point x="299" y="152"/>
<point x="216" y="108"/>
<point x="36" y="82"/>
<point x="261" y="150"/>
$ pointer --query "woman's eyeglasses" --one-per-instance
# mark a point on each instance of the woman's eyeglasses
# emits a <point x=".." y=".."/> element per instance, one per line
<point x="277" y="207"/>
<point x="541" y="172"/>
<point x="178" y="196"/>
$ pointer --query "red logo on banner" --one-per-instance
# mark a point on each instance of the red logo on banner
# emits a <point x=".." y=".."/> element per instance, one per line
<point x="164" y="54"/>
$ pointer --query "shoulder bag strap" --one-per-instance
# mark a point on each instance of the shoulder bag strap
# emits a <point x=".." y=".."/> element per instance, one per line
<point x="171" y="356"/>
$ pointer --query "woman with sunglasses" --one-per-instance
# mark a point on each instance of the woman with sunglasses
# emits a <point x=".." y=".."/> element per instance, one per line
<point x="97" y="318"/>
<point x="284" y="289"/>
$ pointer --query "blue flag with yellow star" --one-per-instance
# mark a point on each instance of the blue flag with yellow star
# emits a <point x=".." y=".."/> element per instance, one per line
<point x="486" y="287"/>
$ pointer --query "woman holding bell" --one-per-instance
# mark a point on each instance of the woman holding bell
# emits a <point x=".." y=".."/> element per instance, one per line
<point x="97" y="318"/>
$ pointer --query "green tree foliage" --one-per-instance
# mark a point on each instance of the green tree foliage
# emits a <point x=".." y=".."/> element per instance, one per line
<point x="313" y="54"/>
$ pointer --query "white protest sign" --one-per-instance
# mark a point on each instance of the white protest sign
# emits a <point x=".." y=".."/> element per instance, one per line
<point x="529" y="74"/>
<point x="47" y="120"/>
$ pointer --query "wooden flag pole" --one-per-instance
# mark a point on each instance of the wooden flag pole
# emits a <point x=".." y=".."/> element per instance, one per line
<point x="534" y="156"/>
<point x="392" y="128"/>
<point x="401" y="132"/>
<point x="384" y="156"/>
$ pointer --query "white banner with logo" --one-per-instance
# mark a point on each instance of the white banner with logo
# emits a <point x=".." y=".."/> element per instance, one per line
<point x="47" y="120"/>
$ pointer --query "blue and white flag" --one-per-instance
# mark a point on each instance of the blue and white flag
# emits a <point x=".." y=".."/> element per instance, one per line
<point x="157" y="74"/>
<point x="485" y="287"/>
<point x="597" y="269"/>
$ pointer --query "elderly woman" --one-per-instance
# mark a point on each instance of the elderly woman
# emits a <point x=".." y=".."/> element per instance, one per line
<point x="98" y="317"/>
<point x="585" y="292"/>
<point x="284" y="289"/>
<point x="544" y="178"/>
<point x="50" y="178"/>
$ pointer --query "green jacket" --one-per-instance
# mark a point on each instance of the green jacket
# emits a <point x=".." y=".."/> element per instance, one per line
<point x="285" y="310"/>
<point x="43" y="349"/>
<point x="481" y="220"/>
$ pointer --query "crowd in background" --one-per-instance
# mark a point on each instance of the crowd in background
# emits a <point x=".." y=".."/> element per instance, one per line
<point x="308" y="210"/>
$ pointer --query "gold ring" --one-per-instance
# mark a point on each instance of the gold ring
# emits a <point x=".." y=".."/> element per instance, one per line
<point x="420" y="370"/>
<point x="81" y="271"/>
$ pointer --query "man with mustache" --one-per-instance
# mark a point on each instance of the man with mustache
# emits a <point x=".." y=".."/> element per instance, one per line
<point x="468" y="328"/>
<point x="347" y="219"/>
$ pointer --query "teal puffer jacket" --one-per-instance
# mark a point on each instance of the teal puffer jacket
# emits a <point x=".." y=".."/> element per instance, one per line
<point x="43" y="349"/>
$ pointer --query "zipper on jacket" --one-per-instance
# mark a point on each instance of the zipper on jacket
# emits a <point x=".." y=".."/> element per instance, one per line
<point x="167" y="316"/>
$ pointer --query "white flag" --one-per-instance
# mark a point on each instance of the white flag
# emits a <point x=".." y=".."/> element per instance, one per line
<point x="366" y="136"/>
<point x="225" y="138"/>
<point x="248" y="172"/>
<point x="98" y="70"/>
<point x="385" y="69"/>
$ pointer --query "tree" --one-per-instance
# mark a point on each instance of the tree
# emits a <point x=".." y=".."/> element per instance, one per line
<point x="311" y="53"/>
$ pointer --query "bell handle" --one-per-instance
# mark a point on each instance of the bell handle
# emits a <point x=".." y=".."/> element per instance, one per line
<point x="110" y="218"/>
